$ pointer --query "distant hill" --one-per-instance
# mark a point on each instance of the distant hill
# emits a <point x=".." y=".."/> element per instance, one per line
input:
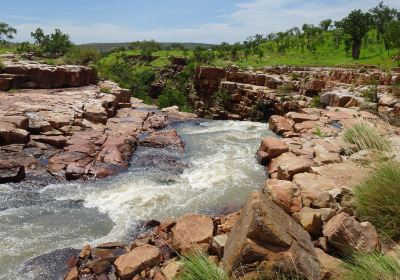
<point x="106" y="47"/>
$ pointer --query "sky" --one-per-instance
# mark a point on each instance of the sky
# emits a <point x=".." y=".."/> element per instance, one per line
<point x="201" y="21"/>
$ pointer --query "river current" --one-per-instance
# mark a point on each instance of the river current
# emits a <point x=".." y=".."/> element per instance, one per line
<point x="218" y="170"/>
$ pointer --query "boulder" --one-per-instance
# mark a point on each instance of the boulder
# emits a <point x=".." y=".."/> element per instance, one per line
<point x="265" y="232"/>
<point x="311" y="220"/>
<point x="10" y="134"/>
<point x="136" y="261"/>
<point x="332" y="268"/>
<point x="191" y="230"/>
<point x="171" y="270"/>
<point x="313" y="186"/>
<point x="288" y="168"/>
<point x="218" y="244"/>
<point x="11" y="172"/>
<point x="346" y="234"/>
<point x="56" y="141"/>
<point x="271" y="147"/>
<point x="161" y="139"/>
<point x="285" y="194"/>
<point x="299" y="117"/>
<point x="280" y="125"/>
<point x="73" y="274"/>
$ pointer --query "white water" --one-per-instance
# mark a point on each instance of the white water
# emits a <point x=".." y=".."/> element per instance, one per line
<point x="221" y="171"/>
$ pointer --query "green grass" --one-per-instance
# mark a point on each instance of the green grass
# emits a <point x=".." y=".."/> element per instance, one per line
<point x="363" y="136"/>
<point x="105" y="89"/>
<point x="373" y="266"/>
<point x="199" y="267"/>
<point x="377" y="198"/>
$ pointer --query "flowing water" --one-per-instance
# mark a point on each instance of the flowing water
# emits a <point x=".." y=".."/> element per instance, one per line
<point x="218" y="169"/>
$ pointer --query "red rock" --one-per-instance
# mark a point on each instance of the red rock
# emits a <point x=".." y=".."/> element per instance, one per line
<point x="347" y="235"/>
<point x="11" y="172"/>
<point x="192" y="229"/>
<point x="165" y="138"/>
<point x="285" y="194"/>
<point x="271" y="147"/>
<point x="280" y="125"/>
<point x="56" y="141"/>
<point x="136" y="261"/>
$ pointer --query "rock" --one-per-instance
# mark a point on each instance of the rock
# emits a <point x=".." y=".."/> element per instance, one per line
<point x="11" y="172"/>
<point x="285" y="194"/>
<point x="324" y="200"/>
<point x="85" y="252"/>
<point x="192" y="229"/>
<point x="346" y="234"/>
<point x="165" y="138"/>
<point x="228" y="222"/>
<point x="171" y="270"/>
<point x="310" y="219"/>
<point x="217" y="244"/>
<point x="299" y="117"/>
<point x="271" y="147"/>
<point x="10" y="134"/>
<point x="99" y="267"/>
<point x="280" y="125"/>
<point x="332" y="268"/>
<point x="288" y="168"/>
<point x="56" y="141"/>
<point x="313" y="185"/>
<point x="73" y="274"/>
<point x="136" y="261"/>
<point x="96" y="113"/>
<point x="265" y="232"/>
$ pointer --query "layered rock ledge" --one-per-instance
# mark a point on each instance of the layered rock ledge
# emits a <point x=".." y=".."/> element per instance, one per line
<point x="73" y="133"/>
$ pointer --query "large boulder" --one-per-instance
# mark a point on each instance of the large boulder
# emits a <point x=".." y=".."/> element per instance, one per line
<point x="165" y="138"/>
<point x="265" y="232"/>
<point x="346" y="234"/>
<point x="280" y="125"/>
<point x="285" y="194"/>
<point x="192" y="230"/>
<point x="11" y="172"/>
<point x="137" y="260"/>
<point x="271" y="147"/>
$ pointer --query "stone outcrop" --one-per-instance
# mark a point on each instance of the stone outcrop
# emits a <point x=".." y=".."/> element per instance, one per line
<point x="29" y="74"/>
<point x="77" y="133"/>
<point x="256" y="95"/>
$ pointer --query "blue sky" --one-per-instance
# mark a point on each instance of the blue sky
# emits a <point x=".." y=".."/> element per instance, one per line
<point x="207" y="21"/>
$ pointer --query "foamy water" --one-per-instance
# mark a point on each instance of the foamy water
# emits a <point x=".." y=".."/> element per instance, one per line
<point x="221" y="170"/>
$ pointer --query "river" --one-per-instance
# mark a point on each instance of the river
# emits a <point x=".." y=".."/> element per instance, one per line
<point x="218" y="170"/>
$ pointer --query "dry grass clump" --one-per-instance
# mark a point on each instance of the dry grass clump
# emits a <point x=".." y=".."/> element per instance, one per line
<point x="377" y="199"/>
<point x="363" y="136"/>
<point x="199" y="267"/>
<point x="373" y="266"/>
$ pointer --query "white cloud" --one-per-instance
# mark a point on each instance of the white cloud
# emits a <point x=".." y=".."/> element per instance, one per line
<point x="249" y="18"/>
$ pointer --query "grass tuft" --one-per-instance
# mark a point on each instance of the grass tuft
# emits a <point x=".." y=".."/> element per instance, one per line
<point x="373" y="266"/>
<point x="105" y="89"/>
<point x="377" y="198"/>
<point x="362" y="136"/>
<point x="199" y="267"/>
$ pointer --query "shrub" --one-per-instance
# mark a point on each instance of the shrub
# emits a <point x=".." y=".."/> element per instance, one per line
<point x="171" y="96"/>
<point x="373" y="266"/>
<point x="364" y="137"/>
<point x="199" y="267"/>
<point x="222" y="98"/>
<point x="53" y="45"/>
<point x="316" y="102"/>
<point x="285" y="88"/>
<point x="82" y="56"/>
<point x="105" y="89"/>
<point x="377" y="198"/>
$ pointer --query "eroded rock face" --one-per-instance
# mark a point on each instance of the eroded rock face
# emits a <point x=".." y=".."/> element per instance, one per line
<point x="77" y="133"/>
<point x="29" y="74"/>
<point x="265" y="232"/>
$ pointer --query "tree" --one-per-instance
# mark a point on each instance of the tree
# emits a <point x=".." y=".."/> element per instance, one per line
<point x="325" y="24"/>
<point x="356" y="25"/>
<point x="55" y="44"/>
<point x="6" y="32"/>
<point x="392" y="36"/>
<point x="382" y="15"/>
<point x="149" y="47"/>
